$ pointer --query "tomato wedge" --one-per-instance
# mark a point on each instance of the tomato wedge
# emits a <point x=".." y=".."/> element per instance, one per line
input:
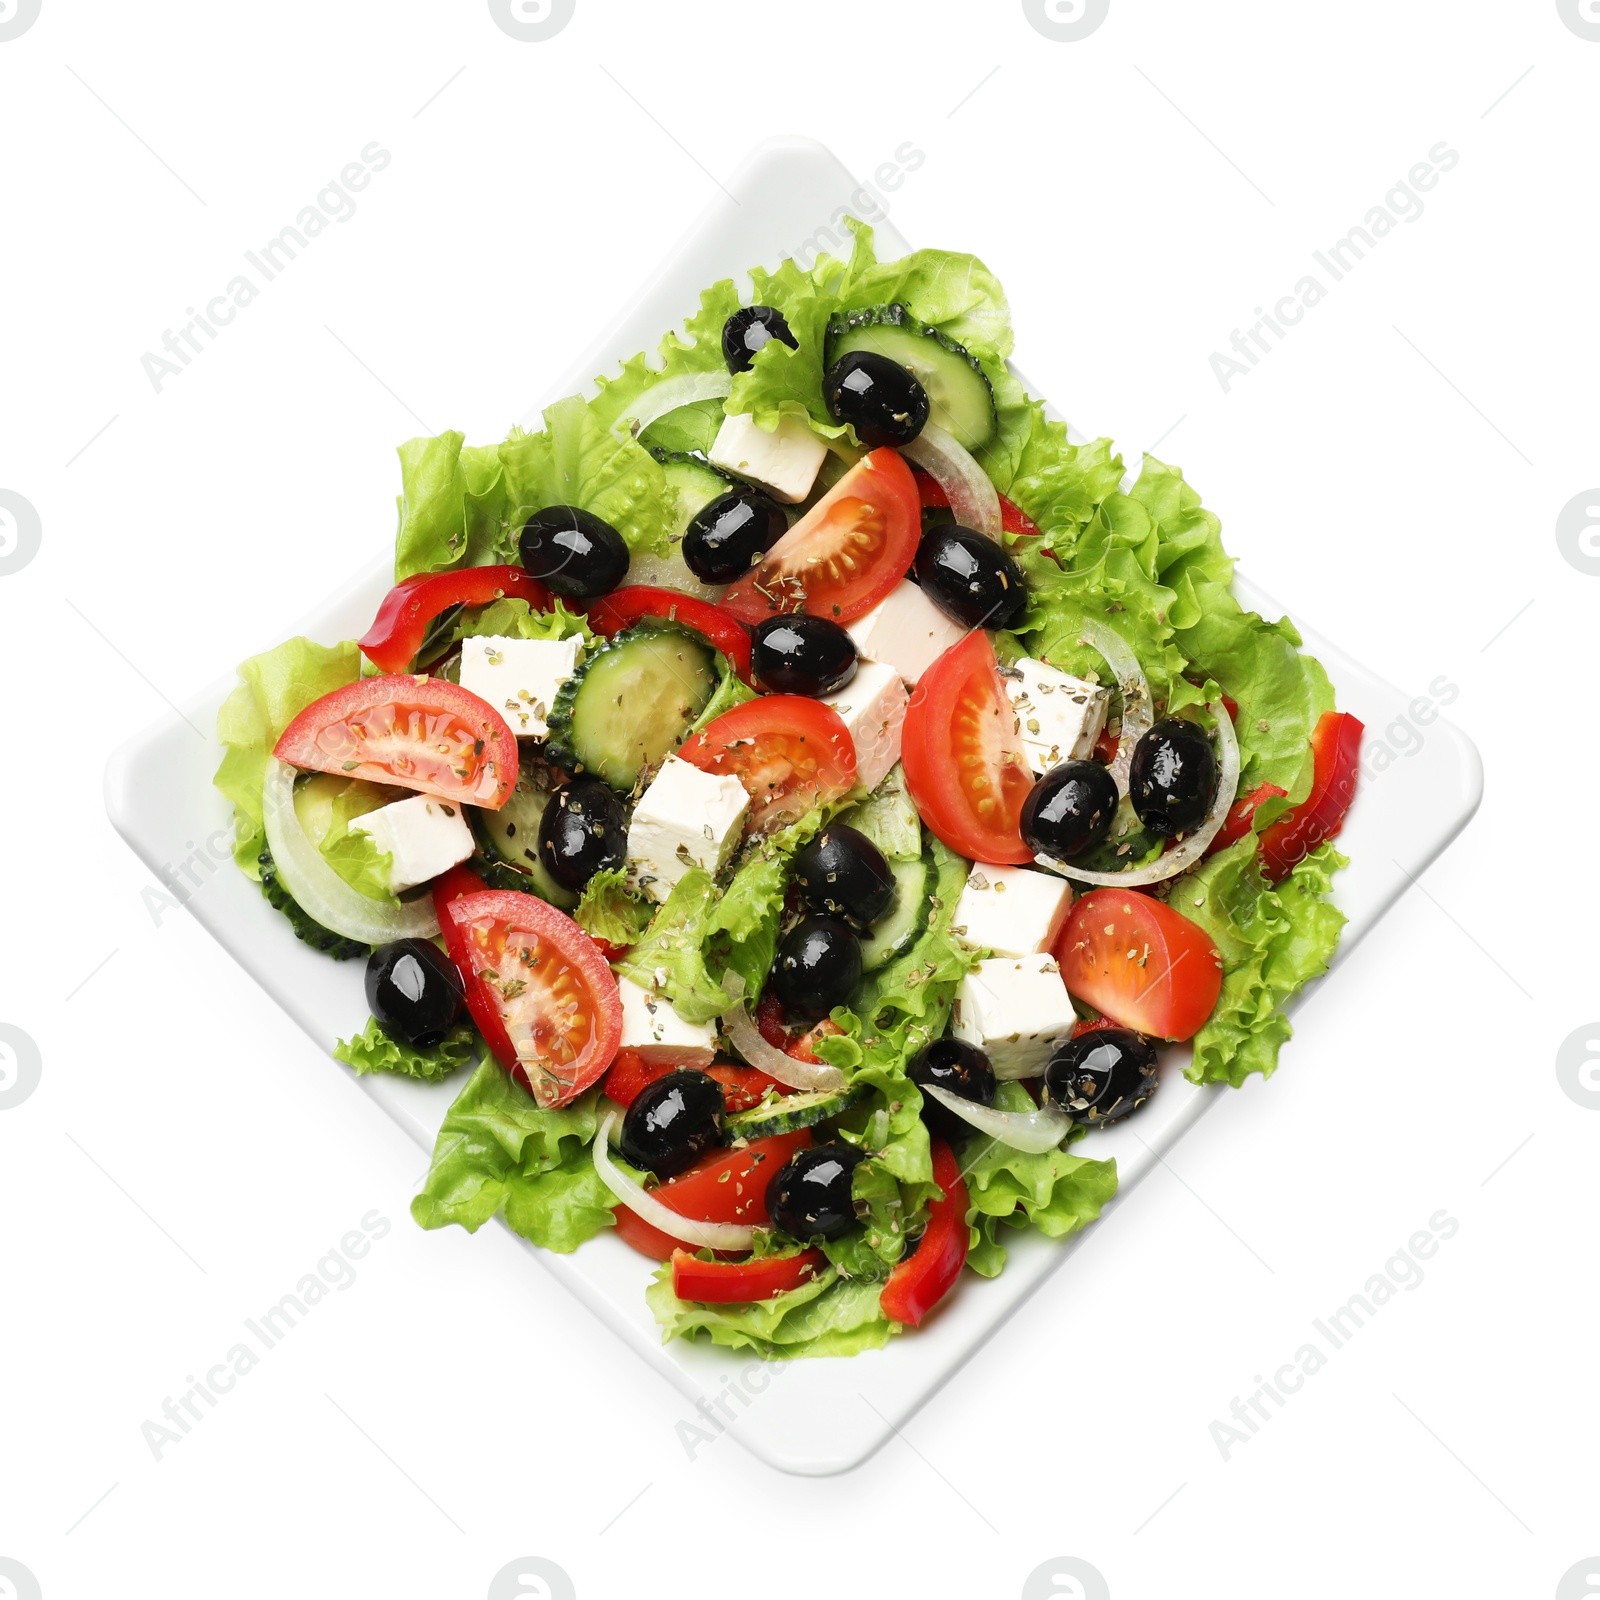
<point x="613" y="612"/>
<point x="397" y="632"/>
<point x="790" y="753"/>
<point x="742" y="1087"/>
<point x="412" y="731"/>
<point x="966" y="769"/>
<point x="1013" y="519"/>
<point x="927" y="1275"/>
<point x="845" y="554"/>
<point x="728" y="1283"/>
<point x="1336" y="749"/>
<point x="555" y="996"/>
<point x="1140" y="963"/>
<point x="452" y="885"/>
<point x="1241" y="816"/>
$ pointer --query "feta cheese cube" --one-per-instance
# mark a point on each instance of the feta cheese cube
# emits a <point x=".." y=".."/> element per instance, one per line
<point x="519" y="677"/>
<point x="686" y="818"/>
<point x="423" y="836"/>
<point x="786" y="461"/>
<point x="1059" y="716"/>
<point x="1012" y="910"/>
<point x="906" y="631"/>
<point x="873" y="707"/>
<point x="1016" y="1011"/>
<point x="651" y="1026"/>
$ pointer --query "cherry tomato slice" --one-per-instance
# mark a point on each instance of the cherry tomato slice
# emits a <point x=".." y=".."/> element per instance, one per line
<point x="1140" y="963"/>
<point x="554" y="993"/>
<point x="613" y="612"/>
<point x="1336" y="747"/>
<point x="966" y="768"/>
<point x="790" y="753"/>
<point x="845" y="554"/>
<point x="458" y="881"/>
<point x="726" y="1283"/>
<point x="402" y="622"/>
<point x="411" y="731"/>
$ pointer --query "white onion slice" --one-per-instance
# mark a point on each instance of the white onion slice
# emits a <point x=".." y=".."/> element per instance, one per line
<point x="745" y="1037"/>
<point x="671" y="394"/>
<point x="318" y="890"/>
<point x="1032" y="1132"/>
<point x="1171" y="862"/>
<point x="644" y="1205"/>
<point x="974" y="501"/>
<point x="1135" y="689"/>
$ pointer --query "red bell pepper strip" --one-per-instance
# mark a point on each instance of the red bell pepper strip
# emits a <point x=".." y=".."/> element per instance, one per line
<point x="451" y="885"/>
<point x="727" y="1283"/>
<point x="925" y="1277"/>
<point x="1241" y="816"/>
<point x="402" y="622"/>
<point x="742" y="1087"/>
<point x="1336" y="749"/>
<point x="1013" y="519"/>
<point x="613" y="612"/>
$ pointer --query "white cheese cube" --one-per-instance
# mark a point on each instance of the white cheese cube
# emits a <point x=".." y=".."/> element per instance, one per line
<point x="1011" y="910"/>
<point x="906" y="631"/>
<point x="1016" y="1011"/>
<point x="1059" y="716"/>
<point x="873" y="707"/>
<point x="519" y="677"/>
<point x="651" y="1026"/>
<point x="686" y="818"/>
<point x="423" y="836"/>
<point x="786" y="461"/>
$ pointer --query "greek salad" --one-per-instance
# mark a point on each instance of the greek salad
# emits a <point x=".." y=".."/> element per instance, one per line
<point x="798" y="794"/>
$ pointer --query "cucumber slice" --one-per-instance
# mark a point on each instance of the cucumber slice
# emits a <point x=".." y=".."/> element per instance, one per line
<point x="903" y="923"/>
<point x="696" y="482"/>
<point x="791" y="1112"/>
<point x="697" y="485"/>
<point x="888" y="817"/>
<point x="961" y="400"/>
<point x="631" y="704"/>
<point x="305" y="928"/>
<point x="508" y="843"/>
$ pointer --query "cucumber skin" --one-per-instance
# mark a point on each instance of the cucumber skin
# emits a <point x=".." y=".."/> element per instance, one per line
<point x="768" y="1121"/>
<point x="305" y="928"/>
<point x="883" y="956"/>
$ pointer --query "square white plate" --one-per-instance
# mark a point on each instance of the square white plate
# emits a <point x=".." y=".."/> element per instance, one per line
<point x="824" y="1416"/>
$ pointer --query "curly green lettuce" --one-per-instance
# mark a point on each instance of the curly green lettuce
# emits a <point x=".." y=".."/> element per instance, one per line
<point x="373" y="1050"/>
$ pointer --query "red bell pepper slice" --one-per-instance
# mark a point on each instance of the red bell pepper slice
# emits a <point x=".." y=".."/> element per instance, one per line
<point x="402" y="622"/>
<point x="1241" y="816"/>
<point x="1336" y="749"/>
<point x="613" y="612"/>
<point x="1013" y="519"/>
<point x="452" y="885"/>
<point x="742" y="1087"/>
<point x="925" y="1277"/>
<point x="728" y="1283"/>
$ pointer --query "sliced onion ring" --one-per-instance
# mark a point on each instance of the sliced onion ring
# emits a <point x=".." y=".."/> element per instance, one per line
<point x="1033" y="1132"/>
<point x="974" y="500"/>
<point x="1171" y="862"/>
<point x="671" y="394"/>
<point x="1135" y="689"/>
<point x="745" y="1037"/>
<point x="645" y="1206"/>
<point x="318" y="890"/>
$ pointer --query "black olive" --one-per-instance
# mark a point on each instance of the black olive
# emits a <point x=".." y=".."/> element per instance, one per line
<point x="1069" y="810"/>
<point x="958" y="1068"/>
<point x="673" y="1122"/>
<point x="747" y="330"/>
<point x="843" y="873"/>
<point x="879" y="398"/>
<point x="1172" y="778"/>
<point x="414" y="992"/>
<point x="970" y="578"/>
<point x="1101" y="1077"/>
<point x="817" y="966"/>
<point x="802" y="654"/>
<point x="810" y="1195"/>
<point x="725" y="539"/>
<point x="582" y="832"/>
<point x="573" y="551"/>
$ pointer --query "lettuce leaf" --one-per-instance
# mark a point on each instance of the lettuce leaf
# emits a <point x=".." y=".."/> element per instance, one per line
<point x="355" y="856"/>
<point x="452" y="505"/>
<point x="671" y="957"/>
<point x="277" y="686"/>
<point x="372" y="1050"/>
<point x="516" y="619"/>
<point x="608" y="910"/>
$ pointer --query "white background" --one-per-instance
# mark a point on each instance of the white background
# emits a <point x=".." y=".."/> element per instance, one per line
<point x="1394" y="471"/>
